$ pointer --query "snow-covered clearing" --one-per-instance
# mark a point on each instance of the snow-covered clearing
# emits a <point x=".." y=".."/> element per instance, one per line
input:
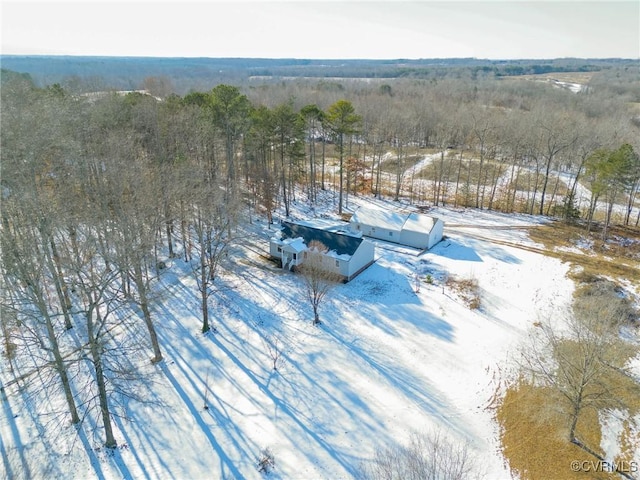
<point x="387" y="361"/>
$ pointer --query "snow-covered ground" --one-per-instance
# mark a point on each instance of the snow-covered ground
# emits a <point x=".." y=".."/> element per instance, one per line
<point x="387" y="361"/>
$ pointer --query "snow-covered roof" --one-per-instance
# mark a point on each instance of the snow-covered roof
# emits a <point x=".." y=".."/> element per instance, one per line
<point x="379" y="218"/>
<point x="336" y="242"/>
<point x="296" y="244"/>
<point x="413" y="222"/>
<point x="419" y="223"/>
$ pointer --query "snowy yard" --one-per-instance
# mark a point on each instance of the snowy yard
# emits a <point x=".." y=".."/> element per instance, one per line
<point x="386" y="361"/>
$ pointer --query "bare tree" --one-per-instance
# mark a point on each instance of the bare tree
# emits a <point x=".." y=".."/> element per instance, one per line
<point x="319" y="277"/>
<point x="483" y="134"/>
<point x="556" y="136"/>
<point x="135" y="221"/>
<point x="25" y="278"/>
<point x="275" y="345"/>
<point x="212" y="218"/>
<point x="99" y="296"/>
<point x="586" y="363"/>
<point x="427" y="457"/>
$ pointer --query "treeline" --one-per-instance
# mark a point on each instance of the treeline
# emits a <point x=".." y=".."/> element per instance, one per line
<point x="99" y="190"/>
<point x="187" y="74"/>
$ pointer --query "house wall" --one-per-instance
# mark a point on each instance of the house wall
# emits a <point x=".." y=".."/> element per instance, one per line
<point x="414" y="239"/>
<point x="423" y="240"/>
<point x="411" y="238"/>
<point x="273" y="249"/>
<point x="333" y="264"/>
<point x="294" y="258"/>
<point x="388" y="234"/>
<point x="436" y="233"/>
<point x="285" y="254"/>
<point x="362" y="258"/>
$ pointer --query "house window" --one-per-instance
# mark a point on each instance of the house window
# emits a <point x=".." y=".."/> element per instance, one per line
<point x="337" y="263"/>
<point x="279" y="249"/>
<point x="358" y="227"/>
<point x="295" y="256"/>
<point x="391" y="234"/>
<point x="305" y="255"/>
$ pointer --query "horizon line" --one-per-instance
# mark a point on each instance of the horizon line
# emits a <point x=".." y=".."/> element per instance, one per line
<point x="413" y="59"/>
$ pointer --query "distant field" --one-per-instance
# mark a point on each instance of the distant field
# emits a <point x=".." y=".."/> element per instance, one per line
<point x="573" y="77"/>
<point x="581" y="78"/>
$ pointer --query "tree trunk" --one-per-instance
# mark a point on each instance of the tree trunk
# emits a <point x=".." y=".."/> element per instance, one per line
<point x="455" y="195"/>
<point x="283" y="182"/>
<point x="398" y="173"/>
<point x="341" y="148"/>
<point x="607" y="220"/>
<point x="515" y="188"/>
<point x="53" y="262"/>
<point x="480" y="165"/>
<point x="59" y="363"/>
<point x="553" y="195"/>
<point x="324" y="143"/>
<point x="96" y="359"/>
<point x="204" y="281"/>
<point x="168" y="223"/>
<point x="544" y="184"/>
<point x="632" y="199"/>
<point x="535" y="189"/>
<point x="144" y="306"/>
<point x="378" y="174"/>
<point x="592" y="208"/>
<point x="497" y="173"/>
<point x="312" y="171"/>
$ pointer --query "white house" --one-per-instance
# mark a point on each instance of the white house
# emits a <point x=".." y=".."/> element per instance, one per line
<point x="411" y="229"/>
<point x="347" y="254"/>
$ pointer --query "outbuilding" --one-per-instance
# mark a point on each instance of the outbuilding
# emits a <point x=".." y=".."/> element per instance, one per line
<point x="411" y="229"/>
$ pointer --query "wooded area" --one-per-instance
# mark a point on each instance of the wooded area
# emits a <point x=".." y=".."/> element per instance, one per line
<point x="98" y="190"/>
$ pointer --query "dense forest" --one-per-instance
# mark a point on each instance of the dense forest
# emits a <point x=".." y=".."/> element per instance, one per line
<point x="82" y="74"/>
<point x="99" y="186"/>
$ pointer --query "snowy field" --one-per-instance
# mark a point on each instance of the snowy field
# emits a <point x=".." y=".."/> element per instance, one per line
<point x="387" y="361"/>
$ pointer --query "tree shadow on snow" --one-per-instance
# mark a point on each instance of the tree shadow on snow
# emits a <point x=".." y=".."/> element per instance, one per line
<point x="472" y="250"/>
<point x="418" y="392"/>
<point x="309" y="429"/>
<point x="227" y="466"/>
<point x="387" y="299"/>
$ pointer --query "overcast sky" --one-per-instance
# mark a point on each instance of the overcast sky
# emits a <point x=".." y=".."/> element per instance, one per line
<point x="388" y="29"/>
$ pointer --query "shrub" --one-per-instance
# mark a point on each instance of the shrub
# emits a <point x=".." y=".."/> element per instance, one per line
<point x="431" y="456"/>
<point x="467" y="289"/>
<point x="266" y="461"/>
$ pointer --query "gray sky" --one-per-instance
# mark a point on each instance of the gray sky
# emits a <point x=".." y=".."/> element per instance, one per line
<point x="330" y="29"/>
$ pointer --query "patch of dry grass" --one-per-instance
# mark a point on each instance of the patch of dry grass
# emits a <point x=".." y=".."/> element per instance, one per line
<point x="408" y="162"/>
<point x="534" y="419"/>
<point x="534" y="435"/>
<point x="469" y="171"/>
<point x="569" y="77"/>
<point x="467" y="289"/>
<point x="526" y="181"/>
<point x="615" y="258"/>
<point x="534" y="431"/>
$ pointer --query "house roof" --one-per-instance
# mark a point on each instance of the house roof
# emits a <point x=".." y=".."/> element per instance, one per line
<point x="413" y="222"/>
<point x="379" y="218"/>
<point x="340" y="243"/>
<point x="419" y="223"/>
<point x="295" y="244"/>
